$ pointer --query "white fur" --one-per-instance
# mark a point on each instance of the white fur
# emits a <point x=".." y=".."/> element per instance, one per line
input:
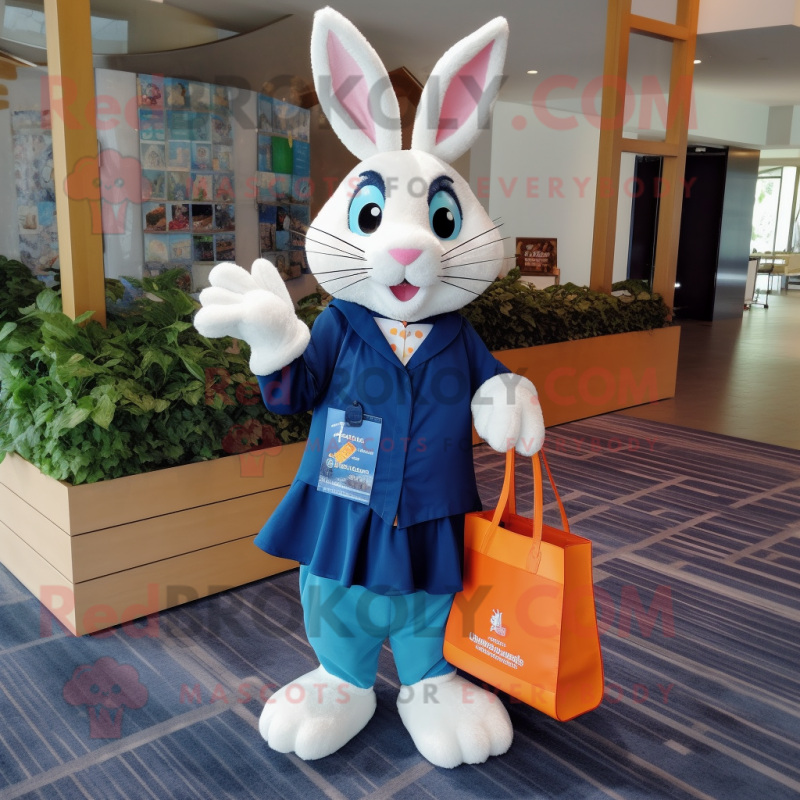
<point x="426" y="125"/>
<point x="507" y="414"/>
<point x="254" y="306"/>
<point x="465" y="723"/>
<point x="407" y="175"/>
<point x="454" y="722"/>
<point x="387" y="119"/>
<point x="315" y="715"/>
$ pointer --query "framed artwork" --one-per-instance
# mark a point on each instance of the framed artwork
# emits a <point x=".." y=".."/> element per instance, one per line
<point x="154" y="184"/>
<point x="178" y="185"/>
<point x="221" y="127"/>
<point x="188" y="186"/>
<point x="199" y="96"/>
<point x="155" y="217"/>
<point x="202" y="183"/>
<point x="264" y="157"/>
<point x="202" y="217"/>
<point x="180" y="247"/>
<point x="537" y="256"/>
<point x="223" y="187"/>
<point x="301" y="159"/>
<point x="201" y="156"/>
<point x="224" y="247"/>
<point x="177" y="92"/>
<point x="220" y="97"/>
<point x="225" y="217"/>
<point x="153" y="155"/>
<point x="150" y="91"/>
<point x="267" y="215"/>
<point x="283" y="184"/>
<point x="222" y="158"/>
<point x="282" y="156"/>
<point x="178" y="216"/>
<point x="151" y="124"/>
<point x="203" y="248"/>
<point x="179" y="155"/>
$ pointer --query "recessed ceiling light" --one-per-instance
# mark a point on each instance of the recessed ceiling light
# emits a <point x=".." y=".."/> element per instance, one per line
<point x="533" y="72"/>
<point x="698" y="61"/>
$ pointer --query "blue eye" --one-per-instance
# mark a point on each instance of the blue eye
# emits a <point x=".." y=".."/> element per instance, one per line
<point x="445" y="216"/>
<point x="366" y="210"/>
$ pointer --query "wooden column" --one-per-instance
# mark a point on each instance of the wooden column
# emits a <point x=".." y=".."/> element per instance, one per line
<point x="683" y="36"/>
<point x="72" y="98"/>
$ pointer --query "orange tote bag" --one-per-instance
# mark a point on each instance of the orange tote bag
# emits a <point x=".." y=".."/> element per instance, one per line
<point x="525" y="621"/>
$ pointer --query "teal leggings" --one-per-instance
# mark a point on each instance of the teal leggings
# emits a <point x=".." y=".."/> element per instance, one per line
<point x="347" y="627"/>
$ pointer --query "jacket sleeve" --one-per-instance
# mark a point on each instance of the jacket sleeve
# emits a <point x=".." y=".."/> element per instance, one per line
<point x="298" y="386"/>
<point x="483" y="365"/>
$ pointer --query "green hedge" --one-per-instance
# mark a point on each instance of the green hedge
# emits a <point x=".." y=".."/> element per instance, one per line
<point x="512" y="314"/>
<point x="85" y="403"/>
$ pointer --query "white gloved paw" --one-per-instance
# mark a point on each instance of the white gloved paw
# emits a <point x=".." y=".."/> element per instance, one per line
<point x="253" y="306"/>
<point x="507" y="414"/>
<point x="453" y="721"/>
<point x="315" y="715"/>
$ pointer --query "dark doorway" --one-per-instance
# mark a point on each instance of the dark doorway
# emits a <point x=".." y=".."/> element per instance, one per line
<point x="716" y="220"/>
<point x="701" y="224"/>
<point x="644" y="217"/>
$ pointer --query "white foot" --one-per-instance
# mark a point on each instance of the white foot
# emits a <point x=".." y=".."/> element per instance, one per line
<point x="315" y="715"/>
<point x="454" y="722"/>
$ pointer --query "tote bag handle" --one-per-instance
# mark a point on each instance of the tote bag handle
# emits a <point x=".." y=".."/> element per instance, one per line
<point x="506" y="505"/>
<point x="511" y="506"/>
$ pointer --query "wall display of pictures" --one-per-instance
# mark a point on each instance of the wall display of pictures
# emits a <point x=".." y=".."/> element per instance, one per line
<point x="35" y="190"/>
<point x="537" y="256"/>
<point x="188" y="187"/>
<point x="283" y="184"/>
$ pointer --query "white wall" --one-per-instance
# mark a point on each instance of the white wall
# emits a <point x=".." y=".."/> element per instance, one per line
<point x="24" y="94"/>
<point x="123" y="244"/>
<point x="539" y="152"/>
<point x="736" y="15"/>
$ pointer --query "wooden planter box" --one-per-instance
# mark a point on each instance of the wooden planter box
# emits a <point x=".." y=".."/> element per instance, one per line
<point x="104" y="553"/>
<point x="595" y="376"/>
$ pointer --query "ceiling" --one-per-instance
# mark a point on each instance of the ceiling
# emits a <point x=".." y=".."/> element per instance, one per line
<point x="760" y="65"/>
<point x="555" y="37"/>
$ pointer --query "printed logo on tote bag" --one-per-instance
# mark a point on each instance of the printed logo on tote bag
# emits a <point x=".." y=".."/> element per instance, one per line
<point x="496" y="623"/>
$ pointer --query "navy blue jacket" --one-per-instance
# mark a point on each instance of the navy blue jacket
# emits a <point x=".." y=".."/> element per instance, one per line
<point x="424" y="469"/>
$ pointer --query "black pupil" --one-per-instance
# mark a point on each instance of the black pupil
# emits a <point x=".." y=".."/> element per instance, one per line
<point x="370" y="218"/>
<point x="444" y="223"/>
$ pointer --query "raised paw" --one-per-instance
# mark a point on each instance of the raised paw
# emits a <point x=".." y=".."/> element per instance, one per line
<point x="315" y="715"/>
<point x="454" y="722"/>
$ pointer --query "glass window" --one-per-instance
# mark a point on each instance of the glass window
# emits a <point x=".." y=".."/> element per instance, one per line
<point x="765" y="211"/>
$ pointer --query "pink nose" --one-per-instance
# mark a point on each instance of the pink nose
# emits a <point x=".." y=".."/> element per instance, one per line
<point x="405" y="255"/>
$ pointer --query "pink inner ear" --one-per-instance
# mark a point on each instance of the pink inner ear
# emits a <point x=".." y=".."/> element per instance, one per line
<point x="350" y="85"/>
<point x="458" y="100"/>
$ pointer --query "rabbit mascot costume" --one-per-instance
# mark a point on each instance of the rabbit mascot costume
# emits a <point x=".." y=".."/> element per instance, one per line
<point x="395" y="377"/>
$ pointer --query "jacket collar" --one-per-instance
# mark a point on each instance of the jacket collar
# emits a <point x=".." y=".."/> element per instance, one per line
<point x="445" y="329"/>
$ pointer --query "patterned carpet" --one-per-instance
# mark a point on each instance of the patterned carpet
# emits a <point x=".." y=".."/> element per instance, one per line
<point x="698" y="530"/>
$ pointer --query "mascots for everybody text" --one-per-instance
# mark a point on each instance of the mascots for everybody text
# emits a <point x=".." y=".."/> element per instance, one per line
<point x="395" y="377"/>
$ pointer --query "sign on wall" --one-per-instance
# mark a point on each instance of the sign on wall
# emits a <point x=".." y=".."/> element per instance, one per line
<point x="537" y="256"/>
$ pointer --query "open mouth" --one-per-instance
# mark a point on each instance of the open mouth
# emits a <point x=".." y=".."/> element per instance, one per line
<point x="404" y="291"/>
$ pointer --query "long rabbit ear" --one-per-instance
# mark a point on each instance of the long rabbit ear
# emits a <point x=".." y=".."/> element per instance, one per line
<point x="459" y="96"/>
<point x="353" y="87"/>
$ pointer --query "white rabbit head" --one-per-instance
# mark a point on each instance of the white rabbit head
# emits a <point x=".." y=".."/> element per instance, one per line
<point x="404" y="235"/>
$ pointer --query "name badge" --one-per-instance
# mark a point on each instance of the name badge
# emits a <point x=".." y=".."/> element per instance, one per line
<point x="349" y="456"/>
